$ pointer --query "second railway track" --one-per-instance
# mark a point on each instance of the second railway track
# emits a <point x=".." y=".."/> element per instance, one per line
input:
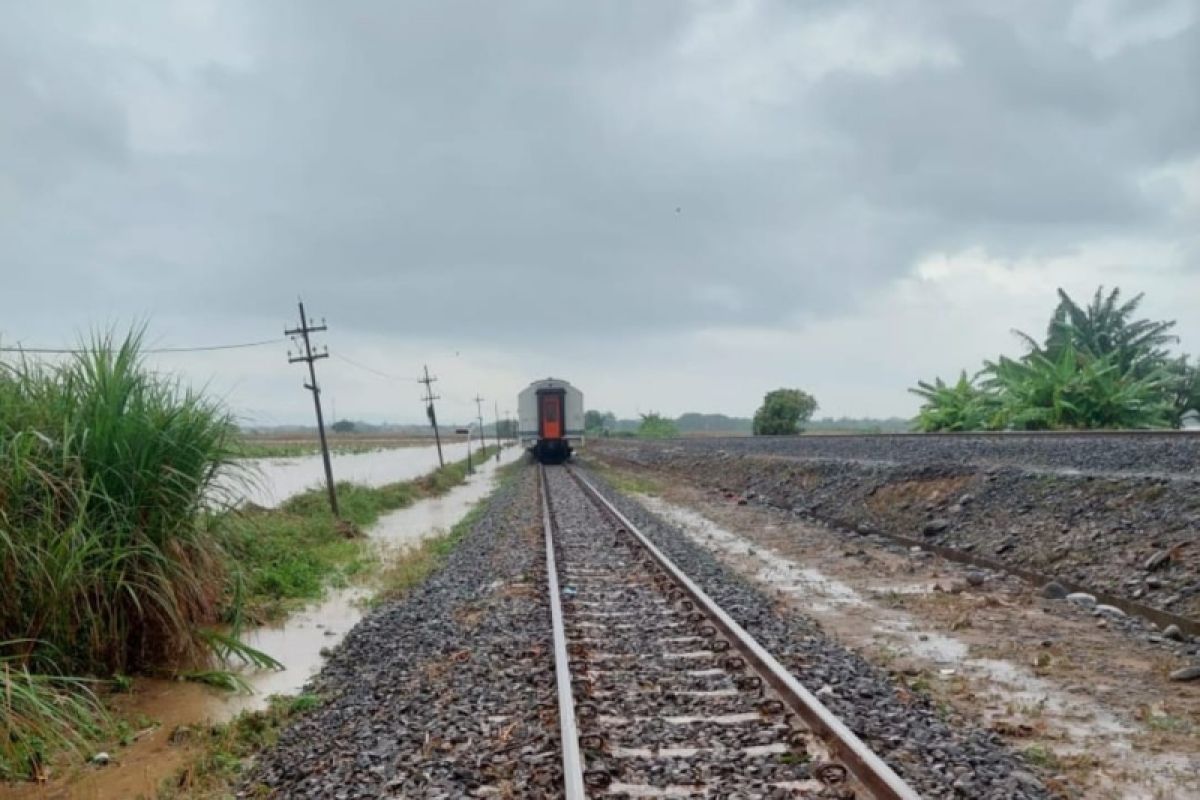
<point x="661" y="692"/>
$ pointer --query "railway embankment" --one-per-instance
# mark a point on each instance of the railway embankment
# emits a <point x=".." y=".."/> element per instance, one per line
<point x="1130" y="530"/>
<point x="449" y="691"/>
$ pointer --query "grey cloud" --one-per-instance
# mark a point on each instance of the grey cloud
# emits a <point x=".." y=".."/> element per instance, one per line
<point x="444" y="169"/>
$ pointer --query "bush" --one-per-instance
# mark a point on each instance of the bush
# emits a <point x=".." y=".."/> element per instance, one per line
<point x="656" y="426"/>
<point x="959" y="407"/>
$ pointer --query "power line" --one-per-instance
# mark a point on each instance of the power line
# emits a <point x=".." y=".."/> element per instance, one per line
<point x="380" y="373"/>
<point x="197" y="349"/>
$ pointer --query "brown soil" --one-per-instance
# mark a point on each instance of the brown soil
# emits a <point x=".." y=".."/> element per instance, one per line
<point x="1090" y="706"/>
<point x="906" y="493"/>
<point x="136" y="770"/>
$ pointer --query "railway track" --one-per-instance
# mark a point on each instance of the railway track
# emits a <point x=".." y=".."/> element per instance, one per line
<point x="661" y="693"/>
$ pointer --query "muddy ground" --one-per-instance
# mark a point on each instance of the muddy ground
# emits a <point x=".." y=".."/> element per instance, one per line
<point x="1088" y="701"/>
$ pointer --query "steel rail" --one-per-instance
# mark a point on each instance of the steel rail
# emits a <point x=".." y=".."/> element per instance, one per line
<point x="572" y="760"/>
<point x="866" y="766"/>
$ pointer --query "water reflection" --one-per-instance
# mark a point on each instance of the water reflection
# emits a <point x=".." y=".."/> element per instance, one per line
<point x="273" y="480"/>
<point x="299" y="640"/>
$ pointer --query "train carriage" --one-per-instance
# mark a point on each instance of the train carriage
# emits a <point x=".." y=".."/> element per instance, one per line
<point x="550" y="413"/>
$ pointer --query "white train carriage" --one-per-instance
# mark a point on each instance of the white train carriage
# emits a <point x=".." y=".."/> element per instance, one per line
<point x="550" y="415"/>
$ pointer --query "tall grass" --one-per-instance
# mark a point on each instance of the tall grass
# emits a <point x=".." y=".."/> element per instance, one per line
<point x="107" y="564"/>
<point x="41" y="714"/>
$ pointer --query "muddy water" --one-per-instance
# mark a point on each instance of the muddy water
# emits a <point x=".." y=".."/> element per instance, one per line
<point x="273" y="480"/>
<point x="299" y="640"/>
<point x="137" y="770"/>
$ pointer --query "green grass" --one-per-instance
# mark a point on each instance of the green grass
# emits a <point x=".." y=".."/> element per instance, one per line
<point x="1041" y="756"/>
<point x="289" y="555"/>
<point x="41" y="715"/>
<point x="265" y="448"/>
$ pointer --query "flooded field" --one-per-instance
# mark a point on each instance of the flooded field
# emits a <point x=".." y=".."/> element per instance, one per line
<point x="273" y="480"/>
<point x="173" y="711"/>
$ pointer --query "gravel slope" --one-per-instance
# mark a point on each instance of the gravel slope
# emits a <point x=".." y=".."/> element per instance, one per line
<point x="1159" y="454"/>
<point x="1134" y="537"/>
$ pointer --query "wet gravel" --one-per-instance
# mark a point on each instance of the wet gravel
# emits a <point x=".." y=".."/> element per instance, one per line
<point x="661" y="704"/>
<point x="1151" y="454"/>
<point x="446" y="693"/>
<point x="940" y="757"/>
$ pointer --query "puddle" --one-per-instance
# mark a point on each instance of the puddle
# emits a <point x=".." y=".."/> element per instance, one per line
<point x="823" y="592"/>
<point x="273" y="480"/>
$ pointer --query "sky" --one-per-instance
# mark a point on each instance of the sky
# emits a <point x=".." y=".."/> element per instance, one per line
<point x="677" y="206"/>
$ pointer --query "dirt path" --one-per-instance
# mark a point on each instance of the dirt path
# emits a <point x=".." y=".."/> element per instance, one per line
<point x="1088" y="705"/>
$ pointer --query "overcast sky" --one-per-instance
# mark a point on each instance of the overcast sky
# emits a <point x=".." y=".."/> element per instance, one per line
<point x="676" y="206"/>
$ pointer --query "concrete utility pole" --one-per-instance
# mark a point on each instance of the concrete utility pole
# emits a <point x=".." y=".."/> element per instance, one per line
<point x="496" y="410"/>
<point x="429" y="398"/>
<point x="307" y="327"/>
<point x="479" y="412"/>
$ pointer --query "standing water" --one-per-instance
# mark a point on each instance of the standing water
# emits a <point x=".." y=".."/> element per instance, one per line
<point x="273" y="480"/>
<point x="299" y="640"/>
<point x="139" y="769"/>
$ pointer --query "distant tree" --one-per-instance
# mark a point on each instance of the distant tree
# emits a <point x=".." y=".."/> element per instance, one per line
<point x="599" y="423"/>
<point x="656" y="426"/>
<point x="344" y="426"/>
<point x="506" y="428"/>
<point x="783" y="411"/>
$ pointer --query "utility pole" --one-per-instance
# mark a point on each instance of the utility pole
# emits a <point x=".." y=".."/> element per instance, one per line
<point x="470" y="469"/>
<point x="479" y="412"/>
<point x="496" y="410"/>
<point x="429" y="398"/>
<point x="307" y="327"/>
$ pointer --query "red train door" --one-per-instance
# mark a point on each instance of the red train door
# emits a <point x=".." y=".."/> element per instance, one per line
<point x="550" y="412"/>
